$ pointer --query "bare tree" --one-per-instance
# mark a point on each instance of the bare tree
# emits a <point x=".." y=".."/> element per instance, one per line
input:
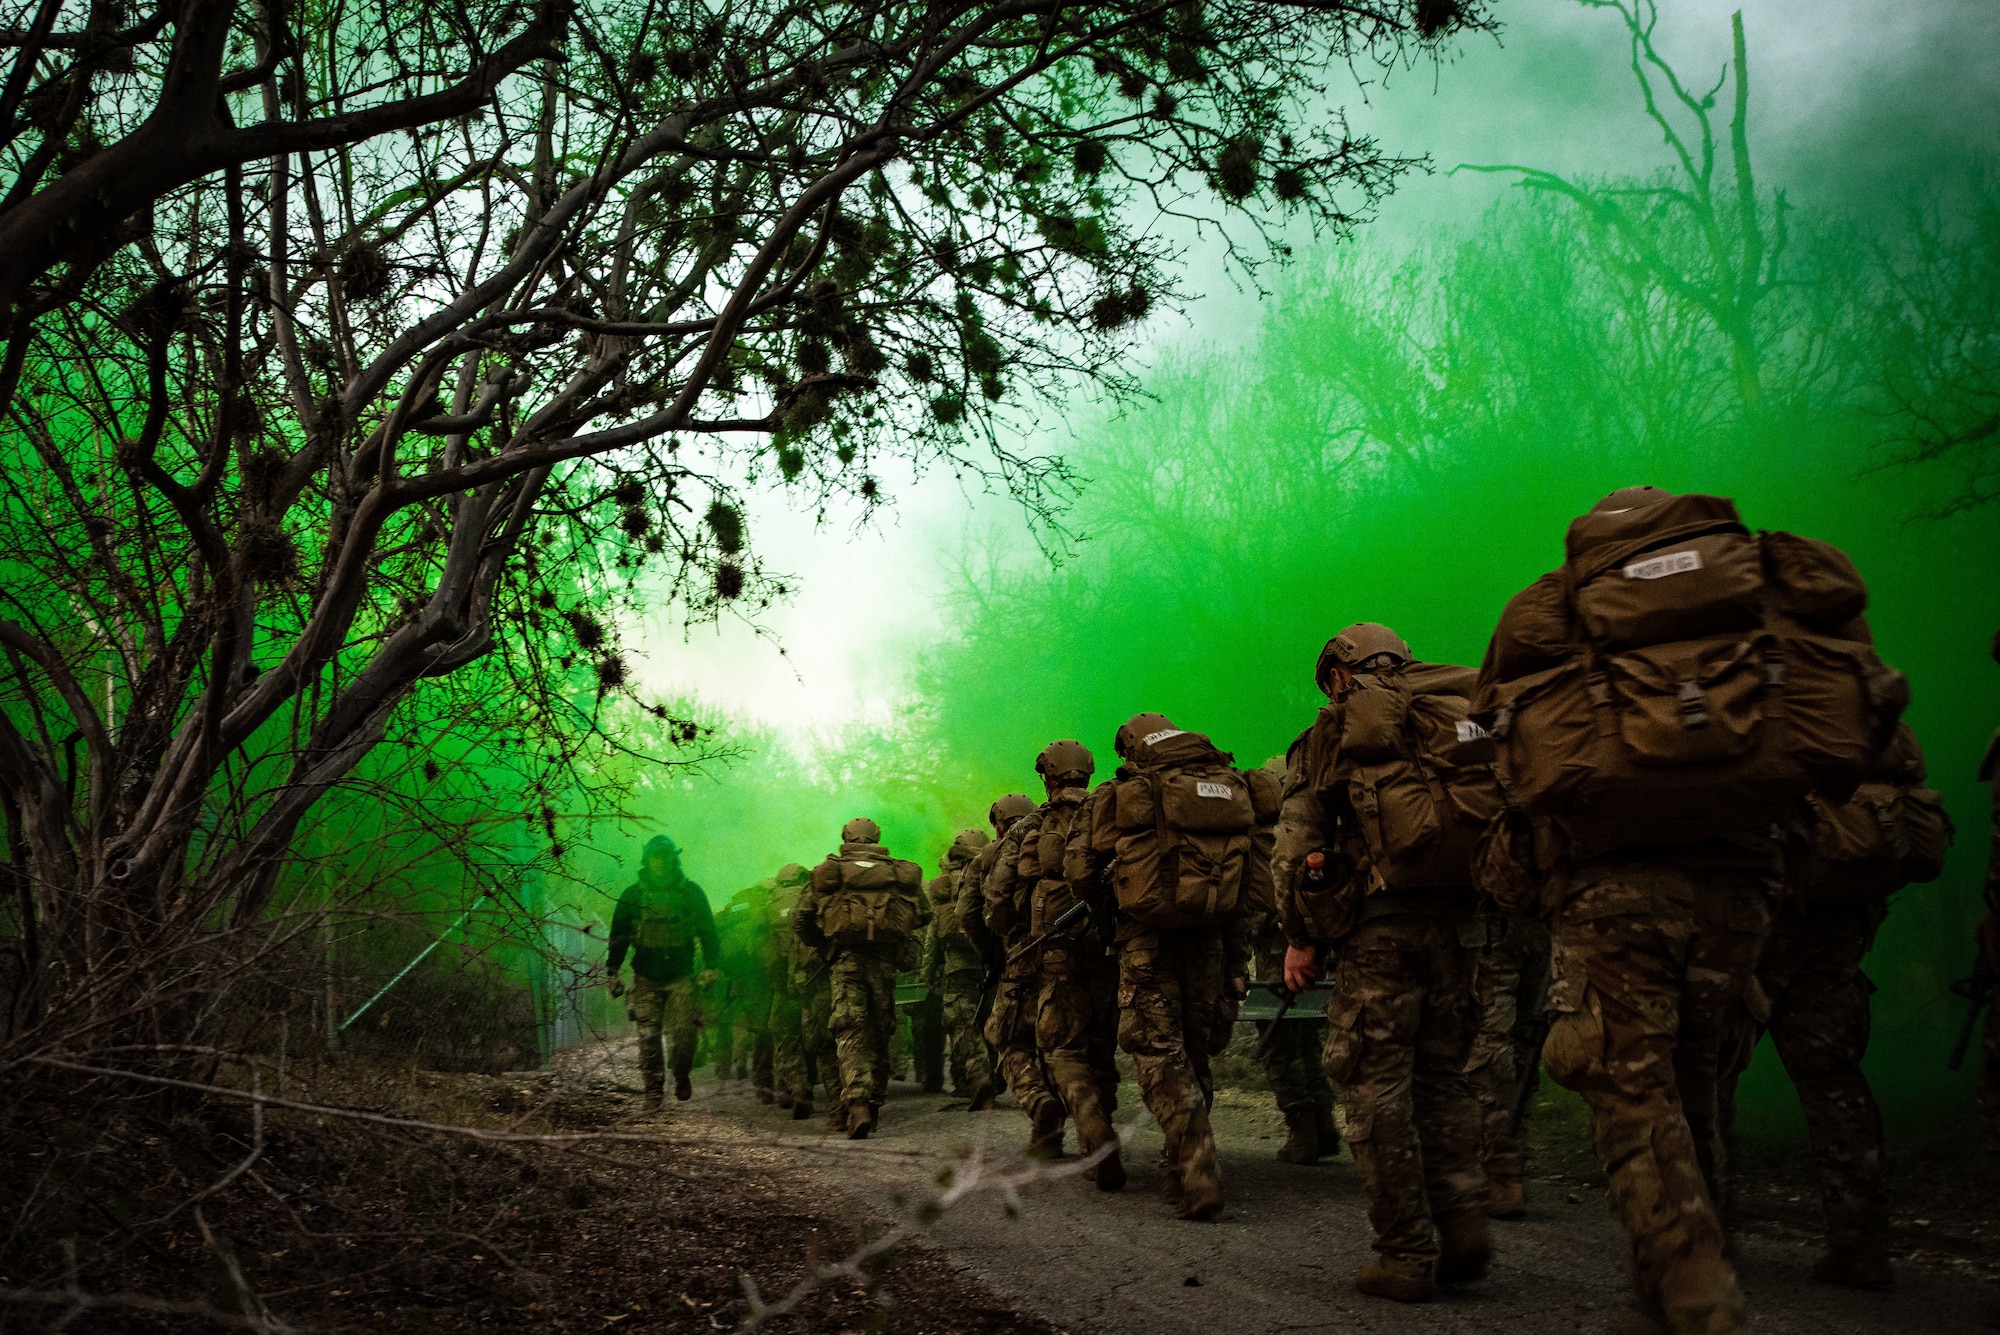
<point x="416" y="377"/>
<point x="1701" y="232"/>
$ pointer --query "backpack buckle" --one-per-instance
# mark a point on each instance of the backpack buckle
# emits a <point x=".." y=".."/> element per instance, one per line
<point x="1694" y="705"/>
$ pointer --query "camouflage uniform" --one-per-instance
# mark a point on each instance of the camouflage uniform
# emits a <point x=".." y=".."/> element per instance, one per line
<point x="1810" y="975"/>
<point x="777" y="956"/>
<point x="997" y="926"/>
<point x="661" y="919"/>
<point x="953" y="971"/>
<point x="1510" y="986"/>
<point x="1652" y="970"/>
<point x="1176" y="1007"/>
<point x="1077" y="982"/>
<point x="1986" y="1094"/>
<point x="1293" y="1064"/>
<point x="861" y="981"/>
<point x="1400" y="1025"/>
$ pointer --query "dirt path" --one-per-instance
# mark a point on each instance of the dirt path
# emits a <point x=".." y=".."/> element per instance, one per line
<point x="1283" y="1255"/>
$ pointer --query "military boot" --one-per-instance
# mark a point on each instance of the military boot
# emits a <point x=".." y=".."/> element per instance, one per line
<point x="683" y="1087"/>
<point x="1465" y="1247"/>
<point x="1398" y="1280"/>
<point x="802" y="1108"/>
<point x="836" y="1118"/>
<point x="1506" y="1198"/>
<point x="1093" y="1132"/>
<point x="1045" y="1141"/>
<point x="1329" y="1131"/>
<point x="1700" y="1296"/>
<point x="650" y="1101"/>
<point x="1302" y="1139"/>
<point x="981" y="1098"/>
<point x="1201" y="1186"/>
<point x="860" y="1121"/>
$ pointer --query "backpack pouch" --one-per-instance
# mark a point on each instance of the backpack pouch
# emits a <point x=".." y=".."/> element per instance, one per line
<point x="1371" y="728"/>
<point x="1838" y="707"/>
<point x="1813" y="580"/>
<point x="1691" y="703"/>
<point x="1207" y="802"/>
<point x="1690" y="588"/>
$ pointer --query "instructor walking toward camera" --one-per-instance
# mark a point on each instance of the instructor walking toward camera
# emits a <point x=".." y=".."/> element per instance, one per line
<point x="660" y="919"/>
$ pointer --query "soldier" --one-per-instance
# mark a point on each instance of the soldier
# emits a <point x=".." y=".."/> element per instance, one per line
<point x="1384" y="799"/>
<point x="728" y="1004"/>
<point x="1987" y="1093"/>
<point x="953" y="970"/>
<point x="1510" y="987"/>
<point x="660" y="919"/>
<point x="862" y="911"/>
<point x="786" y="1073"/>
<point x="1653" y="766"/>
<point x="1893" y="832"/>
<point x="1291" y="1059"/>
<point x="1175" y="852"/>
<point x="1076" y="1012"/>
<point x="997" y="928"/>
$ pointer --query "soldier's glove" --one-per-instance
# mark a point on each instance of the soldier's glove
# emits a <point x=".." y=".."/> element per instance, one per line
<point x="707" y="977"/>
<point x="617" y="986"/>
<point x="1238" y="988"/>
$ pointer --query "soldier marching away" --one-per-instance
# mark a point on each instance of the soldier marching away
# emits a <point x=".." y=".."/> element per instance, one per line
<point x="996" y="920"/>
<point x="862" y="910"/>
<point x="1382" y="810"/>
<point x="953" y="971"/>
<point x="1175" y="850"/>
<point x="660" y="919"/>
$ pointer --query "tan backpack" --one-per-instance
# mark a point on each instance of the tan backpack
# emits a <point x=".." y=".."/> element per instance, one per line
<point x="1414" y="771"/>
<point x="1191" y="836"/>
<point x="1893" y="832"/>
<point x="1681" y="678"/>
<point x="867" y="896"/>
<point x="1039" y="869"/>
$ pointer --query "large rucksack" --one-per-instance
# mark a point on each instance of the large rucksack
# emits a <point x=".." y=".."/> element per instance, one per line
<point x="1191" y="835"/>
<point x="1681" y="678"/>
<point x="1038" y="870"/>
<point x="1414" y="771"/>
<point x="1893" y="832"/>
<point x="868" y="896"/>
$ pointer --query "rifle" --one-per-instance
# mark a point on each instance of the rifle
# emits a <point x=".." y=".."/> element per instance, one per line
<point x="1285" y="997"/>
<point x="989" y="987"/>
<point x="1978" y="990"/>
<point x="1060" y="927"/>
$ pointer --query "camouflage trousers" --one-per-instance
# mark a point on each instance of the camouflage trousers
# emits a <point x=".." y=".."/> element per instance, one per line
<point x="971" y="1060"/>
<point x="1510" y="982"/>
<point x="1651" y="973"/>
<point x="821" y="1059"/>
<point x="1172" y="1020"/>
<point x="1399" y="1025"/>
<point x="665" y="1016"/>
<point x="788" y="1079"/>
<point x="927" y="1042"/>
<point x="1810" y="973"/>
<point x="1076" y="1028"/>
<point x="1986" y="1094"/>
<point x="862" y="1018"/>
<point x="1011" y="1031"/>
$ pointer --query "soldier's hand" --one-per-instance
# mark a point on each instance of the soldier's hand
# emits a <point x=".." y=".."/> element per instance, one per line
<point x="707" y="977"/>
<point x="617" y="986"/>
<point x="1239" y="987"/>
<point x="1301" y="967"/>
<point x="1987" y="934"/>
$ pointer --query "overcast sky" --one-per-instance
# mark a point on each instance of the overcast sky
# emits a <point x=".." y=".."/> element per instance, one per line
<point x="1854" y="105"/>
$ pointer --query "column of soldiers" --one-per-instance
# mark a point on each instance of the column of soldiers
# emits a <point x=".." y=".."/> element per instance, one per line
<point x="1661" y="820"/>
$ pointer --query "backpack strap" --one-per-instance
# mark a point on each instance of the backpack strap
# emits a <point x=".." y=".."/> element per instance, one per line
<point x="1169" y="847"/>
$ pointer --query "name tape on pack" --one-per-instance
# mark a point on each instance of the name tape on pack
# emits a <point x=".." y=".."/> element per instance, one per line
<point x="1659" y="567"/>
<point x="1221" y="790"/>
<point x="1468" y="731"/>
<point x="1155" y="738"/>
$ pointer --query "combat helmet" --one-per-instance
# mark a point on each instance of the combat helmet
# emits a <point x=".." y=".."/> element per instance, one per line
<point x="966" y="847"/>
<point x="1008" y="810"/>
<point x="861" y="830"/>
<point x="1064" y="758"/>
<point x="1143" y="730"/>
<point x="791" y="874"/>
<point x="1357" y="646"/>
<point x="1631" y="498"/>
